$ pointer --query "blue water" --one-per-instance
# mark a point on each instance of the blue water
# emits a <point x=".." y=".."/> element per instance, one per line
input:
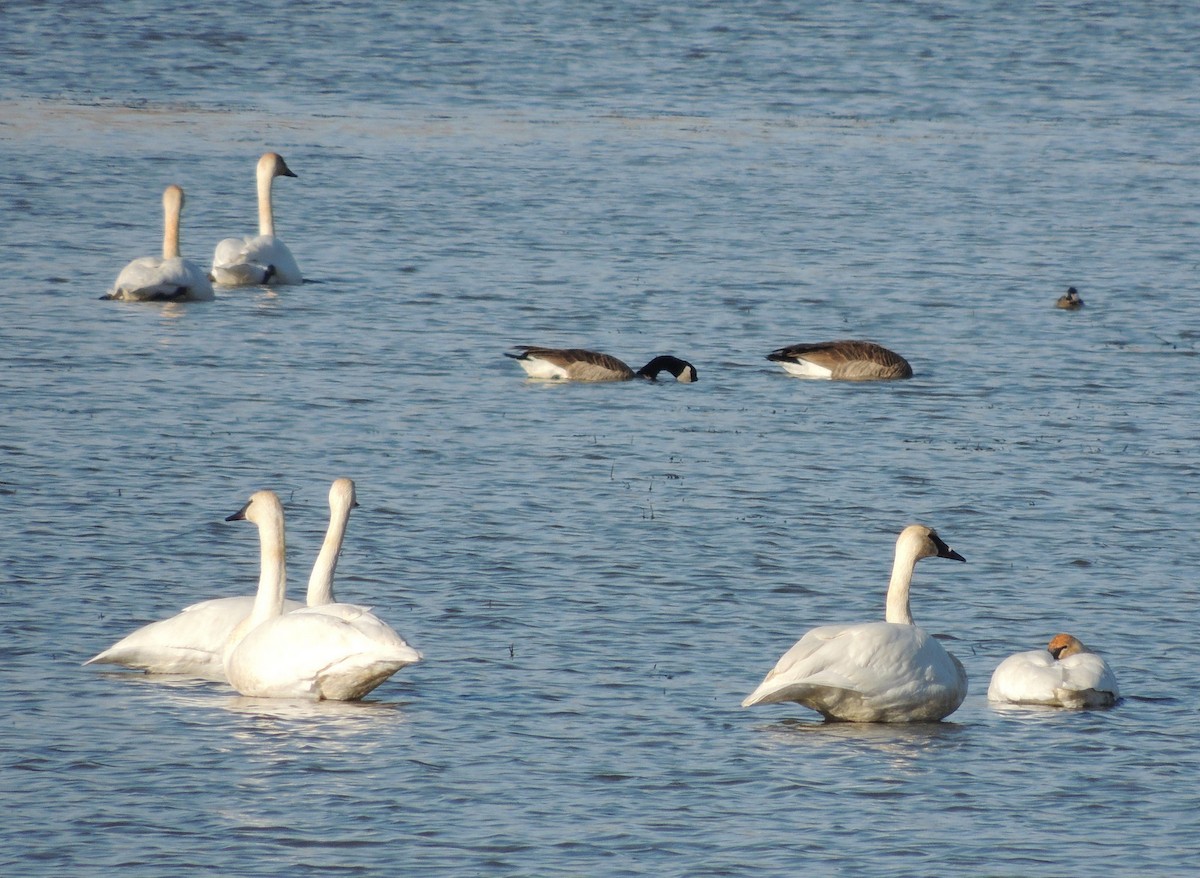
<point x="597" y="575"/>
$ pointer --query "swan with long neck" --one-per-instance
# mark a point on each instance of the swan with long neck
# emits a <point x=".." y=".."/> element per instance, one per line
<point x="334" y="651"/>
<point x="890" y="671"/>
<point x="342" y="499"/>
<point x="1064" y="674"/>
<point x="261" y="258"/>
<point x="192" y="642"/>
<point x="169" y="278"/>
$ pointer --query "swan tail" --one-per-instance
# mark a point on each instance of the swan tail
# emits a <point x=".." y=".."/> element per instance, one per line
<point x="242" y="274"/>
<point x="1080" y="698"/>
<point x="772" y="690"/>
<point x="353" y="679"/>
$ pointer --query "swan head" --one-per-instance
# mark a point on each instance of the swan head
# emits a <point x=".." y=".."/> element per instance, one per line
<point x="273" y="165"/>
<point x="173" y="199"/>
<point x="920" y="542"/>
<point x="1063" y="645"/>
<point x="262" y="506"/>
<point x="342" y="495"/>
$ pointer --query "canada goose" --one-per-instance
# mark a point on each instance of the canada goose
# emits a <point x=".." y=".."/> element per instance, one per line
<point x="890" y="671"/>
<point x="335" y="652"/>
<point x="845" y="360"/>
<point x="192" y="642"/>
<point x="261" y="258"/>
<point x="169" y="278"/>
<point x="1064" y="674"/>
<point x="1070" y="300"/>
<point x="574" y="364"/>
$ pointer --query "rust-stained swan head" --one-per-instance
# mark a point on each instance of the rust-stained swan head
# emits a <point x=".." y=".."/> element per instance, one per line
<point x="1063" y="645"/>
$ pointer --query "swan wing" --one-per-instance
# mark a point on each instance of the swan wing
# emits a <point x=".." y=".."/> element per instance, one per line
<point x="1035" y="677"/>
<point x="152" y="279"/>
<point x="870" y="672"/>
<point x="1026" y="678"/>
<point x="370" y="626"/>
<point x="189" y="643"/>
<point x="1088" y="681"/>
<point x="256" y="259"/>
<point x="315" y="653"/>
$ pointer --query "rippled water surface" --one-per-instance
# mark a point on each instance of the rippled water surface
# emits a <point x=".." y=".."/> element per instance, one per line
<point x="597" y="575"/>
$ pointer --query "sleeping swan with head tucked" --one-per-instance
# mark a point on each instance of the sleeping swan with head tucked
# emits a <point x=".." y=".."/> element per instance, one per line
<point x="1064" y="674"/>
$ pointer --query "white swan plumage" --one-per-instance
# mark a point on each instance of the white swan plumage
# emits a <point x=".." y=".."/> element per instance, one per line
<point x="890" y="671"/>
<point x="335" y="652"/>
<point x="169" y="278"/>
<point x="1064" y="674"/>
<point x="192" y="642"/>
<point x="261" y="258"/>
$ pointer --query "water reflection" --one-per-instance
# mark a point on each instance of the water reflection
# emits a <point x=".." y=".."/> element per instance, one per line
<point x="900" y="742"/>
<point x="305" y="709"/>
<point x="285" y="726"/>
<point x="1045" y="712"/>
<point x="176" y="689"/>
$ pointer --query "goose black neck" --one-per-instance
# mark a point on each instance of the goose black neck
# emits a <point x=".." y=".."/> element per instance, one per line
<point x="682" y="370"/>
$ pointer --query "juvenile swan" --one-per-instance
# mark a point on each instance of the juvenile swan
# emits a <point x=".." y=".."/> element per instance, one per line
<point x="261" y="258"/>
<point x="192" y="642"/>
<point x="167" y="279"/>
<point x="1065" y="674"/>
<point x="881" y="672"/>
<point x="574" y="364"/>
<point x="338" y="652"/>
<point x="1070" y="300"/>
<point x="845" y="360"/>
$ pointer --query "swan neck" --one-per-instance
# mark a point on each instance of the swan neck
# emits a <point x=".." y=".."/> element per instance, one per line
<point x="320" y="582"/>
<point x="172" y="207"/>
<point x="898" y="610"/>
<point x="266" y="218"/>
<point x="272" y="579"/>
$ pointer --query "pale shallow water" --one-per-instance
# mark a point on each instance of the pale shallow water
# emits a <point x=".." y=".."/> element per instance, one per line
<point x="598" y="574"/>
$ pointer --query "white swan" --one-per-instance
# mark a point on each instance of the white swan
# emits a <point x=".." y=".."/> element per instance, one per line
<point x="1064" y="674"/>
<point x="169" y="278"/>
<point x="889" y="671"/>
<point x="335" y="652"/>
<point x="192" y="642"/>
<point x="261" y="258"/>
